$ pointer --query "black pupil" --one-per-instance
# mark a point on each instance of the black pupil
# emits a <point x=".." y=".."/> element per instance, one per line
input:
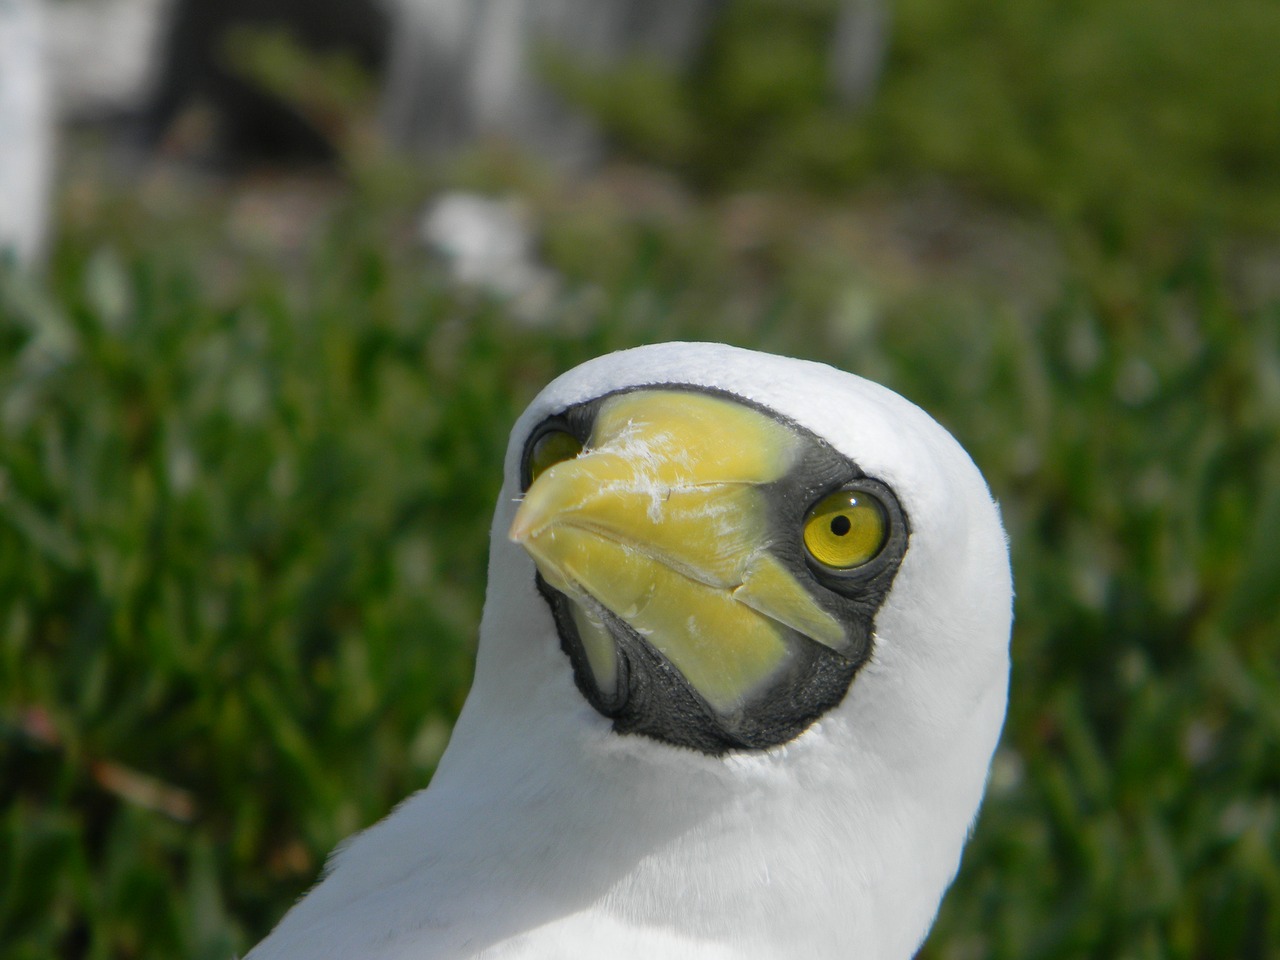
<point x="840" y="525"/>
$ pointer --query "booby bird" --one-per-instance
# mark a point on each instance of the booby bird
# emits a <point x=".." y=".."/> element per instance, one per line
<point x="742" y="667"/>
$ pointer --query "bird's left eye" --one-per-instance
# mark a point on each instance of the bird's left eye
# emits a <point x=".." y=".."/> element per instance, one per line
<point x="551" y="448"/>
<point x="846" y="529"/>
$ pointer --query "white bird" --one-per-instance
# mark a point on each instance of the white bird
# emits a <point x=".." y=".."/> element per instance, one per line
<point x="742" y="668"/>
<point x="26" y="132"/>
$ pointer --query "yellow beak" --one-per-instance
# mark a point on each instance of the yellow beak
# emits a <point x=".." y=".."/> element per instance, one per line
<point x="663" y="522"/>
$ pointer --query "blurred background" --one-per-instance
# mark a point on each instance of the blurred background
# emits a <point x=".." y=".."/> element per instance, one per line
<point x="279" y="275"/>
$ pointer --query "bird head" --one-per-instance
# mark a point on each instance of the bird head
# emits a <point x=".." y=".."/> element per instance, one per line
<point x="719" y="538"/>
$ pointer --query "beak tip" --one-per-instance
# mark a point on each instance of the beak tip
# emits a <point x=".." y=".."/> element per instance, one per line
<point x="525" y="525"/>
<point x="519" y="532"/>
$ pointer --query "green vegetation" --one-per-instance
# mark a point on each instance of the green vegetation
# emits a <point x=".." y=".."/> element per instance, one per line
<point x="1131" y="116"/>
<point x="245" y="483"/>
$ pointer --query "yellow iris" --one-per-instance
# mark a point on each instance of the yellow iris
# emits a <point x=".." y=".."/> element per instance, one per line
<point x="845" y="529"/>
<point x="551" y="448"/>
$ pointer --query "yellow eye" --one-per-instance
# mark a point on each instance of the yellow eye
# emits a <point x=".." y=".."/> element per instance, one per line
<point x="846" y="529"/>
<point x="551" y="448"/>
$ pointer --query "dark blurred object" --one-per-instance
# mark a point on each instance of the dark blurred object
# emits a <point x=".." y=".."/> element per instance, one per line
<point x="250" y="123"/>
<point x="461" y="71"/>
<point x="468" y="69"/>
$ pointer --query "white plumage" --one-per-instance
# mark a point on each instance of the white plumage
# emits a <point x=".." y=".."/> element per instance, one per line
<point x="546" y="833"/>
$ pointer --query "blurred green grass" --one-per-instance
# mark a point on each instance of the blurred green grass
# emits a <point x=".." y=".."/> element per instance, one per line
<point x="1134" y="117"/>
<point x="244" y="496"/>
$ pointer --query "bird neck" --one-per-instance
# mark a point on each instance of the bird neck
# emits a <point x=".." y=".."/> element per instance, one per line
<point x="839" y="841"/>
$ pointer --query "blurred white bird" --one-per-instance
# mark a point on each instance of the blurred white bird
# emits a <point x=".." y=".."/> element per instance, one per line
<point x="742" y="668"/>
<point x="26" y="131"/>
